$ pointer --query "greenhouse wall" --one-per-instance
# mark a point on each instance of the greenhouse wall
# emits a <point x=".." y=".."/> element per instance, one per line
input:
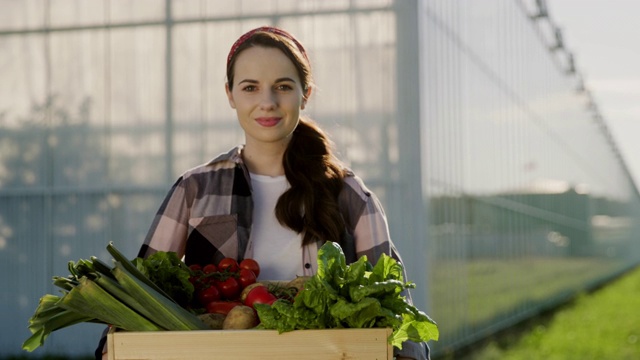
<point x="504" y="190"/>
<point x="528" y="199"/>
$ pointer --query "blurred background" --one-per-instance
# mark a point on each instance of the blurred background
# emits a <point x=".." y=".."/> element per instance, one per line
<point x="505" y="190"/>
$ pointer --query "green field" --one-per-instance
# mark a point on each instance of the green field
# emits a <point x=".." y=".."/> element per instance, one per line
<point x="604" y="324"/>
<point x="469" y="295"/>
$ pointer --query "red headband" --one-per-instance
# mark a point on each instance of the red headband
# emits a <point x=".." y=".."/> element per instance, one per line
<point x="270" y="29"/>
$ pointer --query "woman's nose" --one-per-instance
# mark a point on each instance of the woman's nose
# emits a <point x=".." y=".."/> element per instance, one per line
<point x="268" y="100"/>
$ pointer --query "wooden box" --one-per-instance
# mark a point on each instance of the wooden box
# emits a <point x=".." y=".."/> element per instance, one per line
<point x="353" y="344"/>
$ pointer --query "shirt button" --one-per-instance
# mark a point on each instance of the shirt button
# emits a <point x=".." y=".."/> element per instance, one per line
<point x="307" y="266"/>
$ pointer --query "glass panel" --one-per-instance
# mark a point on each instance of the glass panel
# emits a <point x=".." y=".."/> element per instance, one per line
<point x="78" y="12"/>
<point x="22" y="14"/>
<point x="136" y="10"/>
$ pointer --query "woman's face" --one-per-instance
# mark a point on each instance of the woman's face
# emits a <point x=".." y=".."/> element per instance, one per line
<point x="267" y="95"/>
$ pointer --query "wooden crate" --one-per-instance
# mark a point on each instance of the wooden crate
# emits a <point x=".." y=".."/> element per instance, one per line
<point x="353" y="344"/>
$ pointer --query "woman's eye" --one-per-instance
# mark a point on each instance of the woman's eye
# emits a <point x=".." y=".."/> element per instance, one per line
<point x="284" y="87"/>
<point x="249" y="88"/>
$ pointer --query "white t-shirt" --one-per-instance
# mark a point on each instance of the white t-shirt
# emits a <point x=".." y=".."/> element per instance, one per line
<point x="276" y="248"/>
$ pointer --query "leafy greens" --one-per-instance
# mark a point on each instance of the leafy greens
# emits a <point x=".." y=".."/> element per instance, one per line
<point x="353" y="295"/>
<point x="167" y="271"/>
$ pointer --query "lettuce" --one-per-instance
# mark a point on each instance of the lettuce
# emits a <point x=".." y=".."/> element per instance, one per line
<point x="167" y="271"/>
<point x="356" y="295"/>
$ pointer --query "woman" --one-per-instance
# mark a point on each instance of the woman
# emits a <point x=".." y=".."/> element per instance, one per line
<point x="282" y="194"/>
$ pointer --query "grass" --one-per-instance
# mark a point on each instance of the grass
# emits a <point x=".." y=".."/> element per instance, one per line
<point x="474" y="293"/>
<point x="604" y="324"/>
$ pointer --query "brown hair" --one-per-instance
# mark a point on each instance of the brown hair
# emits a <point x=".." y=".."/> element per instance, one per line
<point x="286" y="44"/>
<point x="310" y="205"/>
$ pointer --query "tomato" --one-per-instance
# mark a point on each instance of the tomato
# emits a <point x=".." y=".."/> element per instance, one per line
<point x="195" y="268"/>
<point x="221" y="307"/>
<point x="228" y="264"/>
<point x="246" y="277"/>
<point x="198" y="282"/>
<point x="259" y="295"/>
<point x="208" y="295"/>
<point x="229" y="288"/>
<point x="246" y="290"/>
<point x="209" y="268"/>
<point x="250" y="264"/>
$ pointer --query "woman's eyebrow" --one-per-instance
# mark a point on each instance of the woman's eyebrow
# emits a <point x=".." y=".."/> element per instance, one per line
<point x="285" y="79"/>
<point x="282" y="79"/>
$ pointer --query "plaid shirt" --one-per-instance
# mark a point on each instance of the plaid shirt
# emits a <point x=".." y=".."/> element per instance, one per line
<point x="206" y="217"/>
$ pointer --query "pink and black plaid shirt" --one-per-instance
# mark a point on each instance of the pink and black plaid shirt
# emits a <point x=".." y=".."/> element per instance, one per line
<point x="206" y="216"/>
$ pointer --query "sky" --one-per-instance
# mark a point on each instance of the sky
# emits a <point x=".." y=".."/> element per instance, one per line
<point x="604" y="36"/>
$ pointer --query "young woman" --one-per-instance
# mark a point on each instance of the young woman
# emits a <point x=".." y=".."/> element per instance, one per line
<point x="282" y="194"/>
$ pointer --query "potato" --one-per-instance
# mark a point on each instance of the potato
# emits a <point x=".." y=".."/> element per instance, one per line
<point x="213" y="320"/>
<point x="240" y="317"/>
<point x="298" y="282"/>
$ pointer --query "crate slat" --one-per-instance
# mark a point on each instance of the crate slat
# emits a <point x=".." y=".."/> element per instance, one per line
<point x="353" y="344"/>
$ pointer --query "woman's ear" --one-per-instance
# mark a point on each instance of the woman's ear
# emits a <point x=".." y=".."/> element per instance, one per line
<point x="305" y="97"/>
<point x="232" y="103"/>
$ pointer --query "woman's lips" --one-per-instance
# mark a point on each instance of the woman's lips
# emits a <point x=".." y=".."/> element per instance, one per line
<point x="268" y="121"/>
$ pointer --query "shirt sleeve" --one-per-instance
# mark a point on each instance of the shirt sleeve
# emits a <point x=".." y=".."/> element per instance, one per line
<point x="413" y="350"/>
<point x="168" y="231"/>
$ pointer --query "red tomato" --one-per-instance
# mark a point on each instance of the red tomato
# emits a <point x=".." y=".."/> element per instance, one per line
<point x="229" y="288"/>
<point x="209" y="268"/>
<point x="228" y="264"/>
<point x="198" y="283"/>
<point x="259" y="295"/>
<point x="246" y="278"/>
<point x="245" y="291"/>
<point x="250" y="264"/>
<point x="195" y="268"/>
<point x="208" y="295"/>
<point x="221" y="307"/>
